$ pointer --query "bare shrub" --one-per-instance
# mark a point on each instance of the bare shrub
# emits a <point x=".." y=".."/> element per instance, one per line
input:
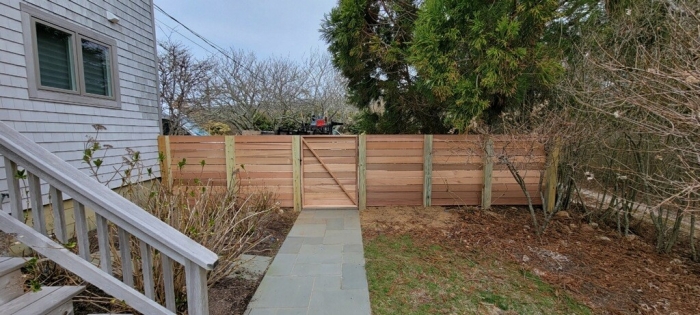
<point x="632" y="130"/>
<point x="216" y="217"/>
<point x="518" y="164"/>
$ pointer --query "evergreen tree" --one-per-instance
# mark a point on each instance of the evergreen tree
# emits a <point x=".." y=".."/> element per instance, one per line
<point x="369" y="41"/>
<point x="486" y="56"/>
<point x="438" y="64"/>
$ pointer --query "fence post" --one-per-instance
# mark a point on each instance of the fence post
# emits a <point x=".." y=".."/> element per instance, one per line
<point x="427" y="170"/>
<point x="296" y="171"/>
<point x="488" y="175"/>
<point x="362" y="172"/>
<point x="551" y="177"/>
<point x="165" y="171"/>
<point x="230" y="161"/>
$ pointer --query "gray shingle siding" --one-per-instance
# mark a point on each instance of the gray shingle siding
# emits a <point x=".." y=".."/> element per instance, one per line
<point x="62" y="128"/>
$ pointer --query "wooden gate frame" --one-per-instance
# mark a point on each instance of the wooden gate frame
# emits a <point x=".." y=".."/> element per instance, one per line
<point x="302" y="145"/>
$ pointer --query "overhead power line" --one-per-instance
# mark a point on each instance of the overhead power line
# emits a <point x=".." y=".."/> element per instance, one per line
<point x="172" y="29"/>
<point x="206" y="41"/>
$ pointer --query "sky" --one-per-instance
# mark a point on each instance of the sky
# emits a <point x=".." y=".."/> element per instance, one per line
<point x="268" y="28"/>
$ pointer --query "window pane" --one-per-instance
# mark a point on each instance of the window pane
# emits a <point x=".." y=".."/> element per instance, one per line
<point x="55" y="57"/>
<point x="97" y="68"/>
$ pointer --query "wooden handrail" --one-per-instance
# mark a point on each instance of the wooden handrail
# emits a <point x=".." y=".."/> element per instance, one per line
<point x="102" y="200"/>
<point x="152" y="233"/>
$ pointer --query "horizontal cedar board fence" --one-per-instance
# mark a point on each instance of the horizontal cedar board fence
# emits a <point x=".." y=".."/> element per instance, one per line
<point x="457" y="170"/>
<point x="393" y="170"/>
<point x="262" y="163"/>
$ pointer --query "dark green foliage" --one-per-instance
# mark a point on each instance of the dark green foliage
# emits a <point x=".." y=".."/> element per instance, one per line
<point x="381" y="123"/>
<point x="262" y="122"/>
<point x="369" y="41"/>
<point x="437" y="64"/>
<point x="486" y="56"/>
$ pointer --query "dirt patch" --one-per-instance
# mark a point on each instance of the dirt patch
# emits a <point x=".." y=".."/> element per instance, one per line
<point x="606" y="272"/>
<point x="277" y="230"/>
<point x="404" y="219"/>
<point x="231" y="296"/>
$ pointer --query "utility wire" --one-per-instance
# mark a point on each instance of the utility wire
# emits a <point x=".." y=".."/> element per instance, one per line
<point x="172" y="29"/>
<point x="205" y="40"/>
<point x="210" y="43"/>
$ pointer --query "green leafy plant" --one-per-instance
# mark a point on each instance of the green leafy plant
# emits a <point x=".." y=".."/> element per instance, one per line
<point x="34" y="285"/>
<point x="21" y="174"/>
<point x="181" y="164"/>
<point x="95" y="155"/>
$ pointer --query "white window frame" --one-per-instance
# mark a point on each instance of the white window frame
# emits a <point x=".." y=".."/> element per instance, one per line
<point x="32" y="15"/>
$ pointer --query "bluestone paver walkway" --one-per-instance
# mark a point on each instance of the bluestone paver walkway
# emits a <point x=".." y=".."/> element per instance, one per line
<point x="320" y="269"/>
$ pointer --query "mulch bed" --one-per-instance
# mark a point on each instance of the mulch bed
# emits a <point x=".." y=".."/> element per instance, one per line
<point x="231" y="296"/>
<point x="609" y="273"/>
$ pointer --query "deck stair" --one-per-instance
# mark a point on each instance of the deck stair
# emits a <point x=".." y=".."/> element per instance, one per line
<point x="33" y="173"/>
<point x="47" y="301"/>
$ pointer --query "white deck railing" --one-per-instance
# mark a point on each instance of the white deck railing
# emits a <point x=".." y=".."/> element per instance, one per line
<point x="130" y="220"/>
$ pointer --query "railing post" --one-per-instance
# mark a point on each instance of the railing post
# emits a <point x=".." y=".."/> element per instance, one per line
<point x="488" y="175"/>
<point x="59" y="216"/>
<point x="427" y="170"/>
<point x="81" y="230"/>
<point x="197" y="297"/>
<point x="103" y="242"/>
<point x="38" y="217"/>
<point x="125" y="255"/>
<point x="362" y="172"/>
<point x="149" y="286"/>
<point x="551" y="177"/>
<point x="168" y="282"/>
<point x="13" y="189"/>
<point x="165" y="172"/>
<point x="296" y="172"/>
<point x="230" y="161"/>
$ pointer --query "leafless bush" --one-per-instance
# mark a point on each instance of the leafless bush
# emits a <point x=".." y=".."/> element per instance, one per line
<point x="633" y="126"/>
<point x="219" y="219"/>
<point x="562" y="180"/>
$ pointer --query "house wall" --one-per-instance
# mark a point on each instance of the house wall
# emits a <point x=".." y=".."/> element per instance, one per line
<point x="63" y="128"/>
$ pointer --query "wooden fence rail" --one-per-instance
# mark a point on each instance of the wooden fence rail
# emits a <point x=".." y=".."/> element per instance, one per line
<point x="367" y="170"/>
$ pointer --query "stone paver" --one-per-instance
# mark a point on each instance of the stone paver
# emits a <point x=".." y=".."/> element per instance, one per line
<point x="320" y="269"/>
<point x="250" y="267"/>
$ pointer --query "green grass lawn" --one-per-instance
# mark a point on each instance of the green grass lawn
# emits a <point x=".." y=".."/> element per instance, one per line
<point x="407" y="276"/>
